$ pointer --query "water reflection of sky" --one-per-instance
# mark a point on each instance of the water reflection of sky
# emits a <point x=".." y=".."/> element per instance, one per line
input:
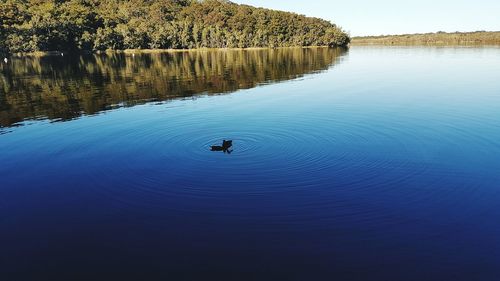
<point x="384" y="167"/>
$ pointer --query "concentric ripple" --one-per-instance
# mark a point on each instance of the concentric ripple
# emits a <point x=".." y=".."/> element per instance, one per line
<point x="373" y="156"/>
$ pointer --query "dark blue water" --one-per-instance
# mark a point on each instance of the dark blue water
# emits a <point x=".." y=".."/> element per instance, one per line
<point x="379" y="163"/>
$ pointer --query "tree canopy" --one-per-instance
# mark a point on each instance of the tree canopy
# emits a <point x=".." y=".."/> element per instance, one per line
<point x="56" y="25"/>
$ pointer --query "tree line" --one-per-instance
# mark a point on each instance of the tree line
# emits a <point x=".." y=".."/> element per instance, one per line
<point x="438" y="38"/>
<point x="96" y="25"/>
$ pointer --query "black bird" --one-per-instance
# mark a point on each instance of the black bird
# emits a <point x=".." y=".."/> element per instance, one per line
<point x="226" y="144"/>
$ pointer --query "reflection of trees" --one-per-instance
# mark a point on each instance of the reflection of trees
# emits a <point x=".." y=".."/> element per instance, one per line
<point x="62" y="88"/>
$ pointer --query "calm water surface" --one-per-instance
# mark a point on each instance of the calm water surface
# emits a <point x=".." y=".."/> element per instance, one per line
<point x="376" y="163"/>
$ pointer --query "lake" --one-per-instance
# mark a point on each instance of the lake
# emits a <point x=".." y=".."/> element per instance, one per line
<point x="373" y="163"/>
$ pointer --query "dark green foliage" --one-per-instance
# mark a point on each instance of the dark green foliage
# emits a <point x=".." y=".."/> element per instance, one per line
<point x="49" y="25"/>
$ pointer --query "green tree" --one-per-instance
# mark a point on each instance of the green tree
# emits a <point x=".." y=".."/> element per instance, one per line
<point x="46" y="25"/>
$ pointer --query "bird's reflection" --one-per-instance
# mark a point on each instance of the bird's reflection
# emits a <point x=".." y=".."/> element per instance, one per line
<point x="225" y="147"/>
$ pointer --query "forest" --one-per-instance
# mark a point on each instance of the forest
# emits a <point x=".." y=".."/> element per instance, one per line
<point x="98" y="25"/>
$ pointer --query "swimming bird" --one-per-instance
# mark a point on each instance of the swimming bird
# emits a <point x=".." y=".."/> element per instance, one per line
<point x="226" y="144"/>
<point x="5" y="60"/>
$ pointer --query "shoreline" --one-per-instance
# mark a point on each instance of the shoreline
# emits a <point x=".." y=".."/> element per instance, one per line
<point x="477" y="38"/>
<point x="153" y="51"/>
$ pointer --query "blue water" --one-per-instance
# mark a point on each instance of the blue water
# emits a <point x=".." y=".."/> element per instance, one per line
<point x="382" y="163"/>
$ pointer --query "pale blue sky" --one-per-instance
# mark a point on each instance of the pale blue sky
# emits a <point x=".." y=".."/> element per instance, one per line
<point x="363" y="17"/>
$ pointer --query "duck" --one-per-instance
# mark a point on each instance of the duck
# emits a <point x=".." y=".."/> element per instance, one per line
<point x="226" y="144"/>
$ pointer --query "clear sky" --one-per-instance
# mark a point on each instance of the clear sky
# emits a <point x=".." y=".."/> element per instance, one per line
<point x="377" y="17"/>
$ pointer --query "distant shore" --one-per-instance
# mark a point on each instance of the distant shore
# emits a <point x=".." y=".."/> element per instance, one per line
<point x="432" y="39"/>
